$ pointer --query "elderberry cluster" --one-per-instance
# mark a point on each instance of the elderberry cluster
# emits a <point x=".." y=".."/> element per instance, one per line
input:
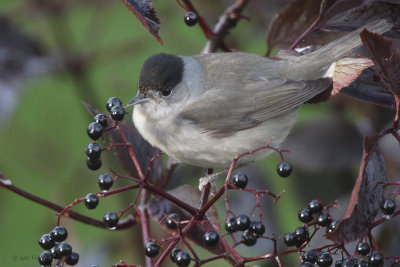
<point x="251" y="230"/>
<point x="56" y="248"/>
<point x="210" y="238"/>
<point x="365" y="257"/>
<point x="96" y="128"/>
<point x="312" y="257"/>
<point x="179" y="257"/>
<point x="313" y="212"/>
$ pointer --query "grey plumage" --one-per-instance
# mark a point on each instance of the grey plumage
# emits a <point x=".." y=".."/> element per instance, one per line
<point x="229" y="103"/>
<point x="222" y="109"/>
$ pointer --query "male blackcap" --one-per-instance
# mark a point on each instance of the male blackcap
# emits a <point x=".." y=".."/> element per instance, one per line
<point x="207" y="109"/>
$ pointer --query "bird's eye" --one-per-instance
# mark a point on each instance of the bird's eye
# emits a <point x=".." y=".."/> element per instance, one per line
<point x="166" y="91"/>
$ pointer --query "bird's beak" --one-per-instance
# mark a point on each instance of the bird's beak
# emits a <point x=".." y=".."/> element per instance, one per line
<point x="139" y="98"/>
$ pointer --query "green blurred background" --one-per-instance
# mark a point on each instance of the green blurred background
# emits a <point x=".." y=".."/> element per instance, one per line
<point x="42" y="144"/>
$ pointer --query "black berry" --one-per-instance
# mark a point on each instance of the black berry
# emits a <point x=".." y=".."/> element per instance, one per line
<point x="300" y="235"/>
<point x="240" y="180"/>
<point x="91" y="201"/>
<point x="95" y="130"/>
<point x="249" y="238"/>
<point x="55" y="251"/>
<point x="289" y="239"/>
<point x="110" y="219"/>
<point x="242" y="222"/>
<point x="362" y="248"/>
<point x="230" y="225"/>
<point x="305" y="215"/>
<point x="310" y="256"/>
<point x="45" y="258"/>
<point x="102" y="119"/>
<point x="94" y="163"/>
<point x="172" y="220"/>
<point x="388" y="207"/>
<point x="113" y="101"/>
<point x="376" y="259"/>
<point x="117" y="113"/>
<point x="323" y="219"/>
<point x="105" y="181"/>
<point x="190" y="19"/>
<point x="174" y="251"/>
<point x="211" y="238"/>
<point x="324" y="259"/>
<point x="59" y="234"/>
<point x="182" y="259"/>
<point x="65" y="249"/>
<point x="362" y="263"/>
<point x="72" y="259"/>
<point x="257" y="228"/>
<point x="46" y="242"/>
<point x="93" y="150"/>
<point x="151" y="249"/>
<point x="338" y="263"/>
<point x="315" y="206"/>
<point x="332" y="226"/>
<point x="284" y="169"/>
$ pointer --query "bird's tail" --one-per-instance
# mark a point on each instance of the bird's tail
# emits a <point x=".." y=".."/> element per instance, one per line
<point x="351" y="41"/>
<point x="316" y="64"/>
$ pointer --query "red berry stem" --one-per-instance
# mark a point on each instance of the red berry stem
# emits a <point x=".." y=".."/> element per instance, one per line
<point x="131" y="153"/>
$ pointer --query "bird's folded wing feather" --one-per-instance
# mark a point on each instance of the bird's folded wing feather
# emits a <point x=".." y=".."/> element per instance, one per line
<point x="220" y="112"/>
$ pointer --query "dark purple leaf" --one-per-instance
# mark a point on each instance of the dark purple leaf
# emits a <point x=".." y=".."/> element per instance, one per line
<point x="366" y="196"/>
<point x="291" y="22"/>
<point x="143" y="150"/>
<point x="367" y="87"/>
<point x="332" y="8"/>
<point x="159" y="208"/>
<point x="301" y="19"/>
<point x="357" y="16"/>
<point x="349" y="15"/>
<point x="315" y="23"/>
<point x="386" y="58"/>
<point x="144" y="11"/>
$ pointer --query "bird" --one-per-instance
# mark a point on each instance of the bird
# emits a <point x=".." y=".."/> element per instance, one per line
<point x="206" y="109"/>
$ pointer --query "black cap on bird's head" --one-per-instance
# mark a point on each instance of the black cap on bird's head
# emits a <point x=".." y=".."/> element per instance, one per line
<point x="159" y="73"/>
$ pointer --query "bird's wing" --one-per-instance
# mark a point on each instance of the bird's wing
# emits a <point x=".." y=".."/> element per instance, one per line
<point x="221" y="112"/>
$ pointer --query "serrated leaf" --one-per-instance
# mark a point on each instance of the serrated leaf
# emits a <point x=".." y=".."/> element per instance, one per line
<point x="159" y="208"/>
<point x="366" y="196"/>
<point x="145" y="13"/>
<point x="386" y="57"/>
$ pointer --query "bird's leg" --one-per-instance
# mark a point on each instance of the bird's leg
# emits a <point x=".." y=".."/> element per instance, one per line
<point x="210" y="178"/>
